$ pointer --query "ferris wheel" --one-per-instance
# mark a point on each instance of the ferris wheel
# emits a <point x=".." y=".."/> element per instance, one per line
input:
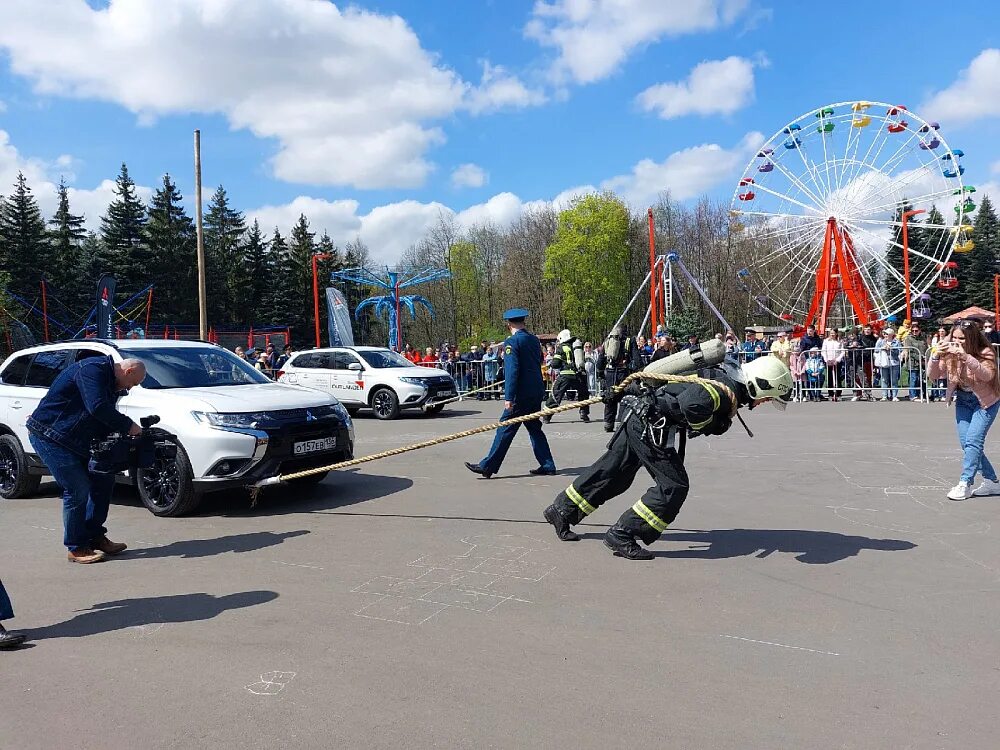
<point x="819" y="210"/>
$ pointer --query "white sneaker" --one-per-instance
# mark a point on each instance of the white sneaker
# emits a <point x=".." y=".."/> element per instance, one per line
<point x="960" y="491"/>
<point x="988" y="487"/>
<point x="896" y="398"/>
<point x="916" y="400"/>
<point x="854" y="399"/>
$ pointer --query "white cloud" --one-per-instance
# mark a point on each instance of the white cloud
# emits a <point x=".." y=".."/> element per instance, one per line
<point x="713" y="87"/>
<point x="974" y="95"/>
<point x="593" y="38"/>
<point x="469" y="175"/>
<point x="390" y="229"/>
<point x="499" y="89"/>
<point x="686" y="174"/>
<point x="349" y="95"/>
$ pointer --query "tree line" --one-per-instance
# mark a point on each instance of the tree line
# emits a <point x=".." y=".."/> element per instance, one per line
<point x="577" y="267"/>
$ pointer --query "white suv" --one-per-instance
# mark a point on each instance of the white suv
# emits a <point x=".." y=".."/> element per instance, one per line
<point x="372" y="377"/>
<point x="233" y="425"/>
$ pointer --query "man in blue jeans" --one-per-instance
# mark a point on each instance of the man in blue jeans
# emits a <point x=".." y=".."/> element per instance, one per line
<point x="78" y="409"/>
<point x="8" y="639"/>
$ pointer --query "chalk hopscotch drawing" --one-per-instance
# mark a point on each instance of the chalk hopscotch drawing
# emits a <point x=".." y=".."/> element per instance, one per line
<point x="479" y="577"/>
<point x="270" y="683"/>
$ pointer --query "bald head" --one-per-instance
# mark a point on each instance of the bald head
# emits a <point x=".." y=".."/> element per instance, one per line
<point x="128" y="373"/>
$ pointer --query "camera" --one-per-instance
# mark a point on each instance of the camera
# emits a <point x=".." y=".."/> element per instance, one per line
<point x="120" y="452"/>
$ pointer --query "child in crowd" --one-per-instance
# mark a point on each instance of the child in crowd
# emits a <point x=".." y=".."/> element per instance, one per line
<point x="815" y="367"/>
<point x="797" y="364"/>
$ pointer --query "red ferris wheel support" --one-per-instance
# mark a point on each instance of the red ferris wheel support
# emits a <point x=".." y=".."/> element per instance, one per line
<point x="838" y="273"/>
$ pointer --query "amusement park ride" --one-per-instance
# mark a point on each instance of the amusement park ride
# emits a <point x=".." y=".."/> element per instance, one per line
<point x="822" y="200"/>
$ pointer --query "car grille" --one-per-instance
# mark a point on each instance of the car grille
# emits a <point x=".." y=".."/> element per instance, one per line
<point x="439" y="381"/>
<point x="283" y="417"/>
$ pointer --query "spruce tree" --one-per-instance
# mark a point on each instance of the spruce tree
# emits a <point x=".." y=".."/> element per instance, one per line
<point x="224" y="229"/>
<point x="256" y="278"/>
<point x="324" y="267"/>
<point x="124" y="253"/>
<point x="298" y="281"/>
<point x="982" y="261"/>
<point x="65" y="235"/>
<point x="356" y="255"/>
<point x="169" y="235"/>
<point x="273" y="309"/>
<point x="22" y="239"/>
<point x="892" y="282"/>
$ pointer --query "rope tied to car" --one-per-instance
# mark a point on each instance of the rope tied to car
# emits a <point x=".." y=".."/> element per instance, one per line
<point x="256" y="488"/>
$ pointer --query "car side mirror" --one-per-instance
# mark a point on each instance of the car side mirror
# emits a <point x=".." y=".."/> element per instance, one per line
<point x="356" y="366"/>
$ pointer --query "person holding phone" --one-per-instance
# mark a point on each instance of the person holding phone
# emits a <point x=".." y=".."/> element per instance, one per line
<point x="968" y="363"/>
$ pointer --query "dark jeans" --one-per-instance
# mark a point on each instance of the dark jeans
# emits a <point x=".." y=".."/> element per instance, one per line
<point x="505" y="436"/>
<point x="6" y="610"/>
<point x="86" y="494"/>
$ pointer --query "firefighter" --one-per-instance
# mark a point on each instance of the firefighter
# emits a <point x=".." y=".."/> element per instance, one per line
<point x="658" y="420"/>
<point x="618" y="359"/>
<point x="569" y="360"/>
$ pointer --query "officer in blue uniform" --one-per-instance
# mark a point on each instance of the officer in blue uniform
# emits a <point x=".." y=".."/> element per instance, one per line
<point x="523" y="390"/>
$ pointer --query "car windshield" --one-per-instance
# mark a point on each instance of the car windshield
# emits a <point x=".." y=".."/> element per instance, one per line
<point x="193" y="367"/>
<point x="381" y="359"/>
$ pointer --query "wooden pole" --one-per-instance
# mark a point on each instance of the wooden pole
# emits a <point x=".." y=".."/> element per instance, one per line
<point x="202" y="302"/>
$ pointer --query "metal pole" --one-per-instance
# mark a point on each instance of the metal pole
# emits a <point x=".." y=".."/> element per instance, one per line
<point x="45" y="312"/>
<point x="316" y="299"/>
<point x="653" y="284"/>
<point x="996" y="299"/>
<point x="906" y="260"/>
<point x="149" y="310"/>
<point x="202" y="301"/>
<point x="399" y="322"/>
<point x="632" y="302"/>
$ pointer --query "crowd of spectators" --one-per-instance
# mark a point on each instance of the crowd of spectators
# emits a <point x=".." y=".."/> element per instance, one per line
<point x="268" y="360"/>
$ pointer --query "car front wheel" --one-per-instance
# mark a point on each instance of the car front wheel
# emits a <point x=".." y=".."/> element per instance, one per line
<point x="385" y="403"/>
<point x="167" y="487"/>
<point x="15" y="481"/>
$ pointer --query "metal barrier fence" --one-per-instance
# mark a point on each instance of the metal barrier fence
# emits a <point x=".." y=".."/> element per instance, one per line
<point x="875" y="374"/>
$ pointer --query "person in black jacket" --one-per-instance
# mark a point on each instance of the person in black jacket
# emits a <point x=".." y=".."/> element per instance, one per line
<point x="657" y="418"/>
<point x="78" y="409"/>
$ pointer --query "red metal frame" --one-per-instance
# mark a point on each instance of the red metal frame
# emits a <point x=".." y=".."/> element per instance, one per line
<point x="317" y="257"/>
<point x="653" y="284"/>
<point x="838" y="272"/>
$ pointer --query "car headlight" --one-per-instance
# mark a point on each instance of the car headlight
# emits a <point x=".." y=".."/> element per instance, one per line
<point x="341" y="412"/>
<point x="224" y="419"/>
<point x="415" y="381"/>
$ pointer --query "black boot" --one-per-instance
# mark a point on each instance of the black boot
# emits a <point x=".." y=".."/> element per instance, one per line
<point x="9" y="639"/>
<point x="563" y="531"/>
<point x="477" y="469"/>
<point x="546" y="419"/>
<point x="585" y="418"/>
<point x="623" y="544"/>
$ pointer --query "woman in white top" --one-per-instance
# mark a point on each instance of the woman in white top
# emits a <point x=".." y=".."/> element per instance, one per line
<point x="833" y="355"/>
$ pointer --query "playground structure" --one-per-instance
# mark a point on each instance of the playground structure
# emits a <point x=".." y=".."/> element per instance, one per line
<point x="54" y="320"/>
<point x="390" y="305"/>
<point x="824" y="197"/>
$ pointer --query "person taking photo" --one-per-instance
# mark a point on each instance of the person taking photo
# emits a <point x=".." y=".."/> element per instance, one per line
<point x="968" y="363"/>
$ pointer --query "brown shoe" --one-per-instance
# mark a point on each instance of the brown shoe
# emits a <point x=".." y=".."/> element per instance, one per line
<point x="84" y="556"/>
<point x="108" y="547"/>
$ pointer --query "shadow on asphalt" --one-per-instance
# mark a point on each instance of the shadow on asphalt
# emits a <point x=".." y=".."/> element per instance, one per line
<point x="340" y="489"/>
<point x="485" y="519"/>
<point x="812" y="547"/>
<point x="131" y="613"/>
<point x="571" y="471"/>
<point x="208" y="547"/>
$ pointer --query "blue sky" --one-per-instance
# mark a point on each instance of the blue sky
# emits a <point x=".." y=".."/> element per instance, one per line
<point x="361" y="114"/>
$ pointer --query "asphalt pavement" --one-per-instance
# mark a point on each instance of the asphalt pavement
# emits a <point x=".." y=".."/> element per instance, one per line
<point x="817" y="591"/>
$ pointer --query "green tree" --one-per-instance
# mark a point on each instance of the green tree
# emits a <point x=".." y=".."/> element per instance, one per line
<point x="981" y="263"/>
<point x="272" y="308"/>
<point x="123" y="252"/>
<point x="587" y="262"/>
<point x="22" y="239"/>
<point x="297" y="283"/>
<point x="684" y="323"/>
<point x="224" y="230"/>
<point x="256" y="277"/>
<point x="65" y="237"/>
<point x="169" y="235"/>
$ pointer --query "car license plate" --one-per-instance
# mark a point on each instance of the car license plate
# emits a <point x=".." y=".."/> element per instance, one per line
<point x="314" y="446"/>
<point x="449" y="392"/>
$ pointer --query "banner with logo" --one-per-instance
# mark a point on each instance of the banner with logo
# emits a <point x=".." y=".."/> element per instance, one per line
<point x="105" y="306"/>
<point x="338" y="317"/>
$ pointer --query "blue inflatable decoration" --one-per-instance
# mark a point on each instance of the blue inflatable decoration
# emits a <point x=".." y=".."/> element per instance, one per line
<point x="390" y="305"/>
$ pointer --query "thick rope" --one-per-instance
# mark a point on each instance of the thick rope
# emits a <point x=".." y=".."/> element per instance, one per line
<point x="255" y="489"/>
